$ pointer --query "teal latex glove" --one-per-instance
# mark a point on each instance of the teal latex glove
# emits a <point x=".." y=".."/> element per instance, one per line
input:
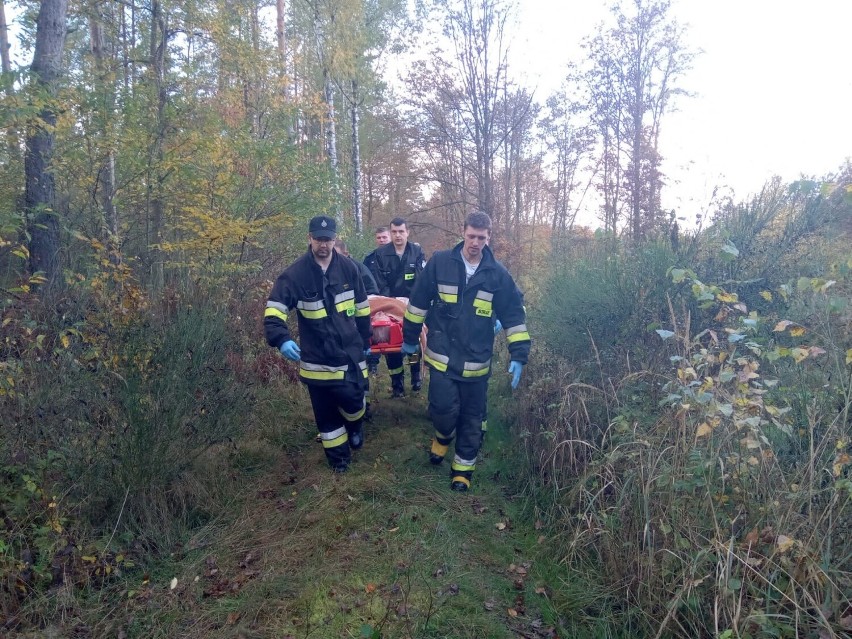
<point x="516" y="368"/>
<point x="291" y="350"/>
<point x="409" y="349"/>
<point x="497" y="326"/>
<point x="367" y="352"/>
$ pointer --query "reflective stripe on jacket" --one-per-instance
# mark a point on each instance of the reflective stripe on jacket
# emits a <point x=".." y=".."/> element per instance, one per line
<point x="460" y="317"/>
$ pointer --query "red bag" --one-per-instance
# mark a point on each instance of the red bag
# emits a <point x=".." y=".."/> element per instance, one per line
<point x="387" y="333"/>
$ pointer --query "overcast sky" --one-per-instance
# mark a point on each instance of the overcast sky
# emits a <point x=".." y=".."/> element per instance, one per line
<point x="774" y="88"/>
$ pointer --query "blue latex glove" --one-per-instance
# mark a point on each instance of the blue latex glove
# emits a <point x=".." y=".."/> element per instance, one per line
<point x="291" y="350"/>
<point x="409" y="349"/>
<point x="497" y="326"/>
<point x="516" y="368"/>
<point x="367" y="352"/>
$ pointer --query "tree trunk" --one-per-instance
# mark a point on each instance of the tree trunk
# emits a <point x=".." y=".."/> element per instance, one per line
<point x="106" y="174"/>
<point x="39" y="195"/>
<point x="280" y="14"/>
<point x="12" y="140"/>
<point x="156" y="178"/>
<point x="5" y="61"/>
<point x="356" y="163"/>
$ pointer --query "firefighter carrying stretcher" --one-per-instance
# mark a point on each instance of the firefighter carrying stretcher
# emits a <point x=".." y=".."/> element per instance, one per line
<point x="326" y="291"/>
<point x="458" y="297"/>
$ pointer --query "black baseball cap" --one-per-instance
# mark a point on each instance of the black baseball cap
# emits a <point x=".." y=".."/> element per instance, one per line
<point x="323" y="227"/>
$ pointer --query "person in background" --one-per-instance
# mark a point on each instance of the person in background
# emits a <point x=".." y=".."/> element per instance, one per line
<point x="372" y="289"/>
<point x="459" y="296"/>
<point x="382" y="238"/>
<point x="326" y="291"/>
<point x="396" y="268"/>
<point x="366" y="274"/>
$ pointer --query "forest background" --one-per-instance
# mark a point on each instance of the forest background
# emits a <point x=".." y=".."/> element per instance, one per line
<point x="684" y="424"/>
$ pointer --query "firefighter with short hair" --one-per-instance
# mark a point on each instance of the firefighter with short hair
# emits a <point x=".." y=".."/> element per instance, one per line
<point x="396" y="267"/>
<point x="327" y="293"/>
<point x="459" y="296"/>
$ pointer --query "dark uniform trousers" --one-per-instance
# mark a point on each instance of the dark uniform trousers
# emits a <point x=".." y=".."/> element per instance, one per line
<point x="339" y="413"/>
<point x="456" y="409"/>
<point x="396" y="369"/>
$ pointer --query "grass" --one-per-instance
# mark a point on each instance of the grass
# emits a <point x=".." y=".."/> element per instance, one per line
<point x="386" y="550"/>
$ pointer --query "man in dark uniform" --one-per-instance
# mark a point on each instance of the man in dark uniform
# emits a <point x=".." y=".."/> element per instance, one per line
<point x="382" y="238"/>
<point x="396" y="268"/>
<point x="327" y="292"/>
<point x="366" y="274"/>
<point x="459" y="296"/>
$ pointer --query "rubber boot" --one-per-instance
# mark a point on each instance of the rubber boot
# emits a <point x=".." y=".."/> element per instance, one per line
<point x="416" y="381"/>
<point x="397" y="387"/>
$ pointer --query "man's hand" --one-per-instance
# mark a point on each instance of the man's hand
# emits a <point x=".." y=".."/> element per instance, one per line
<point x="497" y="326"/>
<point x="409" y="349"/>
<point x="291" y="350"/>
<point x="516" y="368"/>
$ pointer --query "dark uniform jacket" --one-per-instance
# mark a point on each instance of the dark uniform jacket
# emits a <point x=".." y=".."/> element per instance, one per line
<point x="367" y="275"/>
<point x="370" y="259"/>
<point x="333" y="314"/>
<point x="460" y="317"/>
<point x="396" y="277"/>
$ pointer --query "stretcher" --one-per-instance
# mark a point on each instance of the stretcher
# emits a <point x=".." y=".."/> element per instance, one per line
<point x="386" y="315"/>
<point x="387" y="333"/>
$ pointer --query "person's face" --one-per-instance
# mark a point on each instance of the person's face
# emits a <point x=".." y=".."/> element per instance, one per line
<point x="474" y="241"/>
<point x="321" y="248"/>
<point x="399" y="235"/>
<point x="382" y="238"/>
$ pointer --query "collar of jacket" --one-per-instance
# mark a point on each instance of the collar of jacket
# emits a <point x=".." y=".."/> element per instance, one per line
<point x="309" y="255"/>
<point x="390" y="249"/>
<point x="488" y="260"/>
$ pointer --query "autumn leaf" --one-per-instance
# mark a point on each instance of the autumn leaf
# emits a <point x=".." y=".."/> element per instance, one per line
<point x="782" y="326"/>
<point x="727" y="297"/>
<point x="766" y="295"/>
<point x="797" y="331"/>
<point x="799" y="354"/>
<point x="840" y="463"/>
<point x="500" y="526"/>
<point x="512" y="612"/>
<point x="849" y="356"/>
<point x="370" y="587"/>
<point x="784" y="543"/>
<point x="703" y="430"/>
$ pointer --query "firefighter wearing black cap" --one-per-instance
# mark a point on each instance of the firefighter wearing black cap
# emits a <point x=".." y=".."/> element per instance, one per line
<point x="326" y="292"/>
<point x="396" y="267"/>
<point x="459" y="296"/>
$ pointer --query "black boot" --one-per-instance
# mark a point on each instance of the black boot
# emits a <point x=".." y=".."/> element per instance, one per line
<point x="397" y="388"/>
<point x="416" y="381"/>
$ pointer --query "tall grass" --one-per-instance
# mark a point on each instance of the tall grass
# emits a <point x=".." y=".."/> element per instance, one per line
<point x="115" y="419"/>
<point x="691" y="437"/>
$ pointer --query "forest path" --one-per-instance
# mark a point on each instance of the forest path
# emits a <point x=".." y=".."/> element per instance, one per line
<point x="385" y="550"/>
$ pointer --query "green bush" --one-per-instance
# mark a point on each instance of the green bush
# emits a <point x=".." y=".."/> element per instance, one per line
<point x="606" y="299"/>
